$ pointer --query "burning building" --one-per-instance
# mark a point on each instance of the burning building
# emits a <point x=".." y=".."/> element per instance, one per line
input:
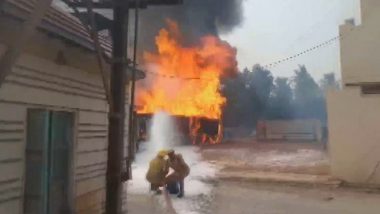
<point x="185" y="81"/>
<point x="185" y="61"/>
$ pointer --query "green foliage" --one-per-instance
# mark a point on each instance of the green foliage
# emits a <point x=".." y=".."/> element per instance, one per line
<point x="308" y="97"/>
<point x="305" y="88"/>
<point x="247" y="96"/>
<point x="281" y="100"/>
<point x="254" y="94"/>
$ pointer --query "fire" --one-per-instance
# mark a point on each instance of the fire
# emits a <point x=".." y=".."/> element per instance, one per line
<point x="185" y="81"/>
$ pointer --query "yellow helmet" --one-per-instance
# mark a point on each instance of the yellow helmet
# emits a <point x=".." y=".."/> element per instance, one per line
<point x="162" y="153"/>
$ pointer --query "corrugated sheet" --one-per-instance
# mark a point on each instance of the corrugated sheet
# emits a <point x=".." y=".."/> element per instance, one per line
<point x="59" y="22"/>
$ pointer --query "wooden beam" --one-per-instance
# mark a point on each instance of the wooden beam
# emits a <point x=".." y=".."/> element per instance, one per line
<point x="143" y="4"/>
<point x="14" y="50"/>
<point x="99" y="5"/>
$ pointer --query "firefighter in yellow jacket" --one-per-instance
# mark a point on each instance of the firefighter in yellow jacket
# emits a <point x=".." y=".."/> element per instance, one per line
<point x="181" y="171"/>
<point x="158" y="169"/>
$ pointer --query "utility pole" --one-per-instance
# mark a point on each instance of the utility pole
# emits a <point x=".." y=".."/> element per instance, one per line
<point x="117" y="107"/>
<point x="118" y="86"/>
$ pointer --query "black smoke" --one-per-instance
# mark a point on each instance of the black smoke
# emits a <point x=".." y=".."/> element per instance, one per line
<point x="196" y="18"/>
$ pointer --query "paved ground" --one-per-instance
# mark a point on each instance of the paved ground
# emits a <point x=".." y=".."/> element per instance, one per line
<point x="301" y="158"/>
<point x="242" y="164"/>
<point x="142" y="204"/>
<point x="149" y="204"/>
<point x="250" y="198"/>
<point x="236" y="190"/>
<point x="260" y="198"/>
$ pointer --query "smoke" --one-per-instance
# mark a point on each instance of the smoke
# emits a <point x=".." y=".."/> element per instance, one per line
<point x="209" y="16"/>
<point x="163" y="133"/>
<point x="196" y="18"/>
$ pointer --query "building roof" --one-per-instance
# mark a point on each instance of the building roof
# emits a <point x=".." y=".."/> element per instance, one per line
<point x="61" y="24"/>
<point x="56" y="22"/>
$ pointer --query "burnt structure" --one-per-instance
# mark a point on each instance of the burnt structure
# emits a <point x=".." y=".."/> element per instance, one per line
<point x="190" y="130"/>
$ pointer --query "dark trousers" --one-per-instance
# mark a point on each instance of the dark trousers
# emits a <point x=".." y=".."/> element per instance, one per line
<point x="177" y="177"/>
<point x="182" y="186"/>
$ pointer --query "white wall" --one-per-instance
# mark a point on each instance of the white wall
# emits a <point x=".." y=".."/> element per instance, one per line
<point x="354" y="118"/>
<point x="354" y="141"/>
<point x="360" y="46"/>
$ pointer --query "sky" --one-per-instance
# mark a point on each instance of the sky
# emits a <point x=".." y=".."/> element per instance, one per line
<point x="277" y="29"/>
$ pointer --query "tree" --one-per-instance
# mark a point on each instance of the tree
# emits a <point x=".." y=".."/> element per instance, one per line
<point x="308" y="99"/>
<point x="329" y="82"/>
<point x="281" y="100"/>
<point x="259" y="84"/>
<point x="234" y="90"/>
<point x="261" y="81"/>
<point x="247" y="96"/>
<point x="253" y="96"/>
<point x="305" y="87"/>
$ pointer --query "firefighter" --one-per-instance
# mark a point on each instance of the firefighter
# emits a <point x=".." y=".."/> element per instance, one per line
<point x="181" y="171"/>
<point x="158" y="169"/>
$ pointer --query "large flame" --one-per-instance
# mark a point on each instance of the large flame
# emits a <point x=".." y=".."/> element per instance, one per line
<point x="185" y="81"/>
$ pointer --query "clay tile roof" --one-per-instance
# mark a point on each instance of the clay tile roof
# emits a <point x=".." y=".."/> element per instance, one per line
<point x="58" y="22"/>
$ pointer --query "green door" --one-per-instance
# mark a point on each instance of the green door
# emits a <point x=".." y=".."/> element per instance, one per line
<point x="36" y="171"/>
<point x="56" y="131"/>
<point x="60" y="161"/>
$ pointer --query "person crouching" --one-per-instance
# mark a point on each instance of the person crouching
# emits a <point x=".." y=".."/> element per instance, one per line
<point x="158" y="169"/>
<point x="181" y="171"/>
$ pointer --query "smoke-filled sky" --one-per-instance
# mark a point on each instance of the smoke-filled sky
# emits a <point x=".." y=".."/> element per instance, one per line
<point x="276" y="29"/>
<point x="196" y="18"/>
<point x="263" y="31"/>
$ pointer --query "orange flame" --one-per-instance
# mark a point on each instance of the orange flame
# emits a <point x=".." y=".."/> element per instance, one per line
<point x="185" y="80"/>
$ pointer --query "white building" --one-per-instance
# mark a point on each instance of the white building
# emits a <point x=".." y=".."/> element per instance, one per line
<point x="354" y="112"/>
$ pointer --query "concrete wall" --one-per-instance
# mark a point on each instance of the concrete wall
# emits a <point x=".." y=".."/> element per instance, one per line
<point x="37" y="82"/>
<point x="353" y="117"/>
<point x="360" y="46"/>
<point x="354" y="143"/>
<point x="292" y="130"/>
